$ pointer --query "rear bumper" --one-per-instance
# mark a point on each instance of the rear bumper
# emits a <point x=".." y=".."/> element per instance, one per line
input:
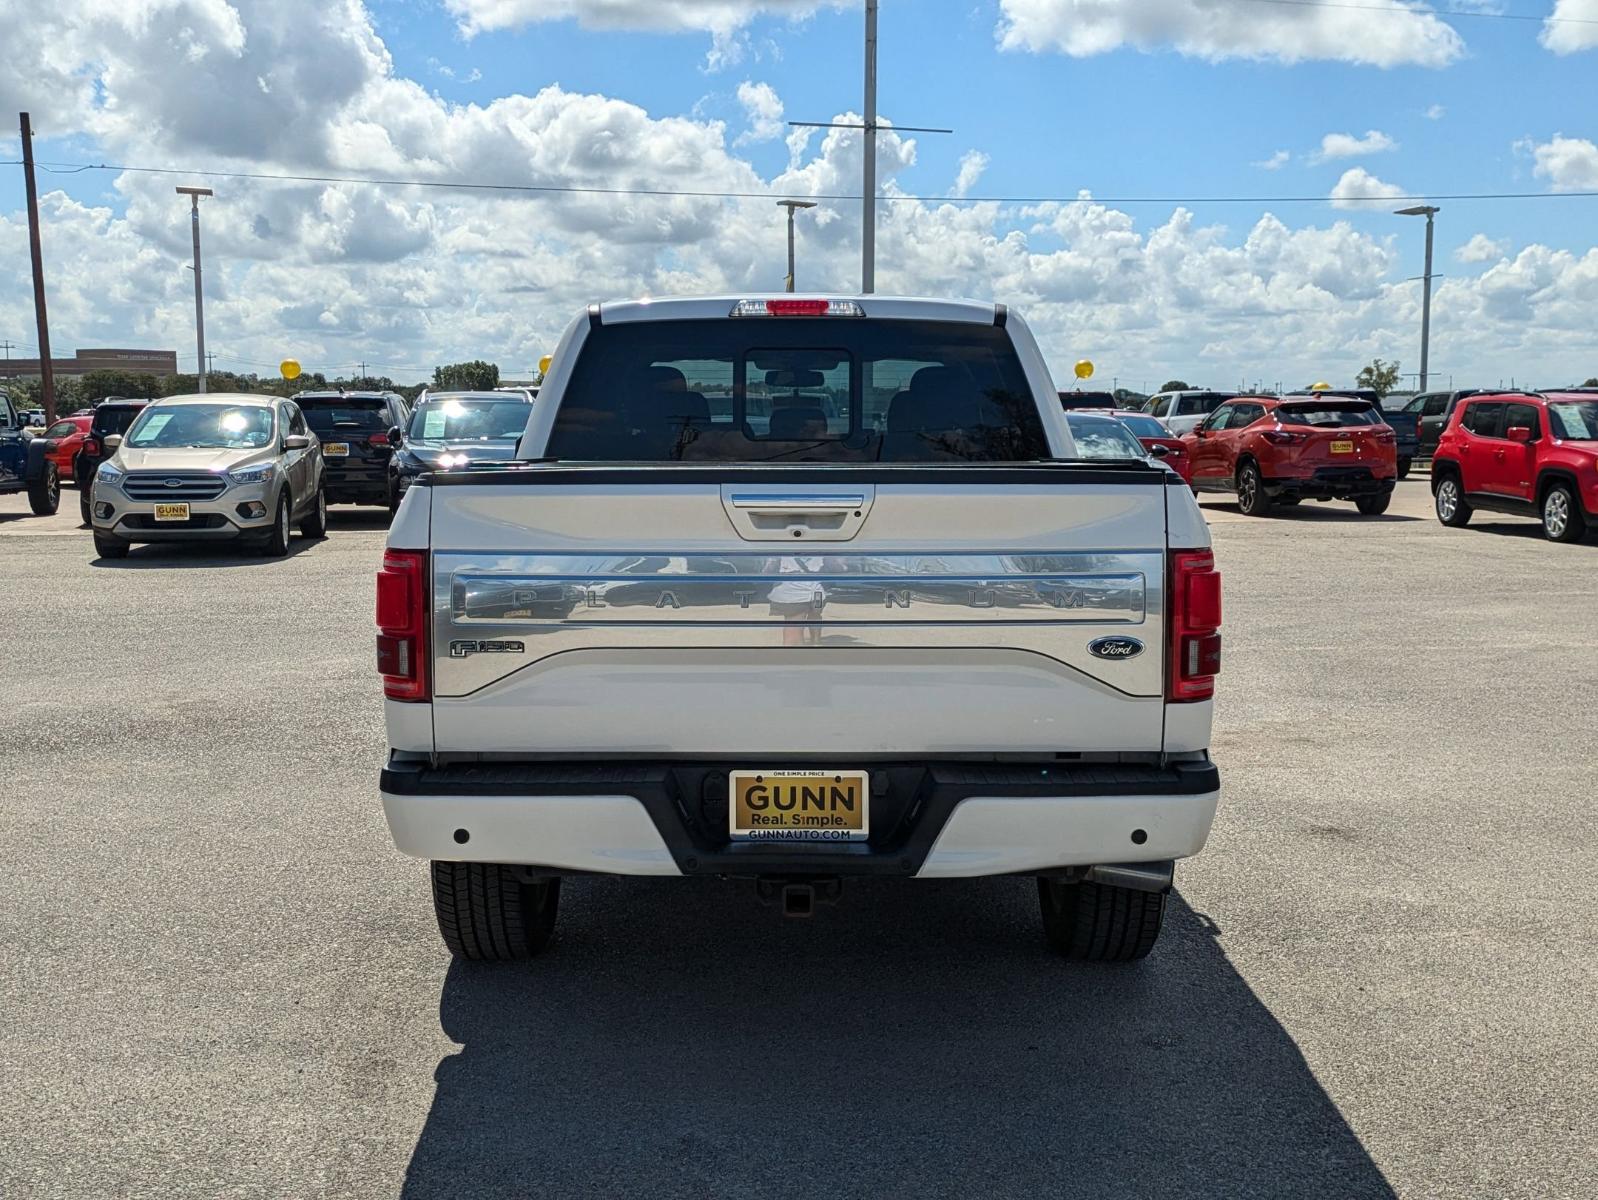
<point x="1331" y="483"/>
<point x="945" y="820"/>
<point x="355" y="482"/>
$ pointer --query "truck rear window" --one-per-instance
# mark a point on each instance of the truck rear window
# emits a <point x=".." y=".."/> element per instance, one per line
<point x="837" y="390"/>
<point x="331" y="416"/>
<point x="108" y="419"/>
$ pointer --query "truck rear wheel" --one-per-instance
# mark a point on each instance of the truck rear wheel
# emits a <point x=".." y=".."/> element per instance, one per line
<point x="44" y="493"/>
<point x="487" y="913"/>
<point x="1095" y="922"/>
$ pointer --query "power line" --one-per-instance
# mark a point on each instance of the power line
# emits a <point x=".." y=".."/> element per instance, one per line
<point x="709" y="194"/>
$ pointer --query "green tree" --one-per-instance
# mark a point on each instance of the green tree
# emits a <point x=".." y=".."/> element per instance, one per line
<point x="1383" y="376"/>
<point x="474" y="376"/>
<point x="136" y="385"/>
<point x="1593" y="382"/>
<point x="1175" y="385"/>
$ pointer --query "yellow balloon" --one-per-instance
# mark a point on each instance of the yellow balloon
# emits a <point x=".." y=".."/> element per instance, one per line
<point x="1084" y="369"/>
<point x="1320" y="387"/>
<point x="543" y="364"/>
<point x="290" y="368"/>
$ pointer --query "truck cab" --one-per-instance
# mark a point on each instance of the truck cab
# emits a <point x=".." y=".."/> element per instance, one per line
<point x="799" y="589"/>
<point x="24" y="465"/>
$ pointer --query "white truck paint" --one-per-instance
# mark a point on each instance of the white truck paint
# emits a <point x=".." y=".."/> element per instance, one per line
<point x="606" y="641"/>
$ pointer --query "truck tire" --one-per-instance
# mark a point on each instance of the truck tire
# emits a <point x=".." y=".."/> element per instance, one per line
<point x="1251" y="498"/>
<point x="84" y="510"/>
<point x="1561" y="515"/>
<point x="44" y="493"/>
<point x="1094" y="922"/>
<point x="1373" y="506"/>
<point x="1403" y="467"/>
<point x="1450" y="500"/>
<point x="486" y="913"/>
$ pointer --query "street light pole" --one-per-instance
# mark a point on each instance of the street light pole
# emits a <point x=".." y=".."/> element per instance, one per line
<point x="1428" y="211"/>
<point x="868" y="221"/>
<point x="790" y="205"/>
<point x="194" y="195"/>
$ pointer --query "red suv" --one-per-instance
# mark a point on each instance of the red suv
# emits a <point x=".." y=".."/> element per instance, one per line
<point x="1532" y="455"/>
<point x="1274" y="450"/>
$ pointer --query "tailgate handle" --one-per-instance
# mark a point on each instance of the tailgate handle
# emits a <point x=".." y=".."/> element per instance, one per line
<point x="767" y="503"/>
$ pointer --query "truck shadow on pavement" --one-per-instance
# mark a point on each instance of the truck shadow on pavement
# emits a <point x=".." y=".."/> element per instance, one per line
<point x="918" y="1040"/>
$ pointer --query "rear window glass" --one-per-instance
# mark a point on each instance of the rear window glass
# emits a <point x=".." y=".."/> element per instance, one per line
<point x="115" y="420"/>
<point x="1142" y="426"/>
<point x="1327" y="416"/>
<point x="772" y="389"/>
<point x="464" y="420"/>
<point x="1087" y="400"/>
<point x="343" y="413"/>
<point x="1103" y="437"/>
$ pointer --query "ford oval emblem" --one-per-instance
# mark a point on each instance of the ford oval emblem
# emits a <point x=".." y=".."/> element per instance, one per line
<point x="173" y="483"/>
<point x="1115" y="647"/>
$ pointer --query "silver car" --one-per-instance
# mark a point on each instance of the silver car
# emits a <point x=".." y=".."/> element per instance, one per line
<point x="211" y="468"/>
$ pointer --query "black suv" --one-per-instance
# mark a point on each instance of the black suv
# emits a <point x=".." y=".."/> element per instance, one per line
<point x="112" y="416"/>
<point x="354" y="431"/>
<point x="1432" y="410"/>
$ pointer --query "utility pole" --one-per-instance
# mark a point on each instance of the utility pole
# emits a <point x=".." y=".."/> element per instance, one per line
<point x="868" y="215"/>
<point x="194" y="195"/>
<point x="1428" y="211"/>
<point x="790" y="205"/>
<point x="868" y="190"/>
<point x="46" y="366"/>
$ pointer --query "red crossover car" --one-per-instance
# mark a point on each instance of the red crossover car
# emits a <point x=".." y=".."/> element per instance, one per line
<point x="1279" y="450"/>
<point x="63" y="440"/>
<point x="1532" y="455"/>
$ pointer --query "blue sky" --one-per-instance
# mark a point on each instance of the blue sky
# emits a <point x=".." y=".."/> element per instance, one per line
<point x="1181" y="103"/>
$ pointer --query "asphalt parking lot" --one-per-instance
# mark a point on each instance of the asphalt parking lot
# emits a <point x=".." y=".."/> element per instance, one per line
<point x="218" y="979"/>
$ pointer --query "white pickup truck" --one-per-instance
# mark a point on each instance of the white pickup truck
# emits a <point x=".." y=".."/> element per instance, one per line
<point x="796" y="589"/>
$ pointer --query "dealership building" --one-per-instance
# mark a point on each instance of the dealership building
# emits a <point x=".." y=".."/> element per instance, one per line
<point x="148" y="362"/>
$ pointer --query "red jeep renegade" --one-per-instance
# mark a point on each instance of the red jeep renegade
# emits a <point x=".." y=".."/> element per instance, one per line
<point x="1534" y="455"/>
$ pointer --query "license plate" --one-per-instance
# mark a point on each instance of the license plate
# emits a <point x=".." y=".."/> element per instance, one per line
<point x="1342" y="447"/>
<point x="171" y="512"/>
<point x="799" y="806"/>
<point x="335" y="449"/>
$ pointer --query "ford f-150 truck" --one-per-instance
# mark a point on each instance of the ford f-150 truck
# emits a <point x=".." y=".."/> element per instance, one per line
<point x="795" y="589"/>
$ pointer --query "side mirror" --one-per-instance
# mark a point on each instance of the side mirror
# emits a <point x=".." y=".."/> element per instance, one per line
<point x="296" y="441"/>
<point x="1520" y="433"/>
<point x="111" y="441"/>
<point x="1159" y="451"/>
<point x="395" y="433"/>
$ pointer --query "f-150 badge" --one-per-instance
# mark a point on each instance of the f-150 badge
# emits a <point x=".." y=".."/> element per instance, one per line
<point x="464" y="649"/>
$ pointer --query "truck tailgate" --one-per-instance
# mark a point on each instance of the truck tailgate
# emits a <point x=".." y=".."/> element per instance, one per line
<point x="859" y="611"/>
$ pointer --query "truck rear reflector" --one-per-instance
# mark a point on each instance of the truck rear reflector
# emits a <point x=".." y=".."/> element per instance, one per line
<point x="1194" y="610"/>
<point x="797" y="308"/>
<point x="402" y="612"/>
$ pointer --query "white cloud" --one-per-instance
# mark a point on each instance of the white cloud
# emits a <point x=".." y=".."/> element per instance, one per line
<point x="1358" y="188"/>
<point x="1275" y="162"/>
<point x="763" y="107"/>
<point x="1569" y="164"/>
<point x="408" y="277"/>
<point x="1435" y="113"/>
<point x="1383" y="33"/>
<point x="1480" y="249"/>
<point x="1572" y="26"/>
<point x="972" y="164"/>
<point x="710" y="16"/>
<point x="1346" y="145"/>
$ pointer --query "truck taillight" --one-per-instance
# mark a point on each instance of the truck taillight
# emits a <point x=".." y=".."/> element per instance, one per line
<point x="91" y="447"/>
<point x="402" y="612"/>
<point x="1193" y="606"/>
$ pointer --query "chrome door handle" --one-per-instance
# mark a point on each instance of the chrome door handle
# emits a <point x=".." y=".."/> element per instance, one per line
<point x="769" y="503"/>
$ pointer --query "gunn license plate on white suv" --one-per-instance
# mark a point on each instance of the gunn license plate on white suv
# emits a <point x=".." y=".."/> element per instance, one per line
<point x="799" y="806"/>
